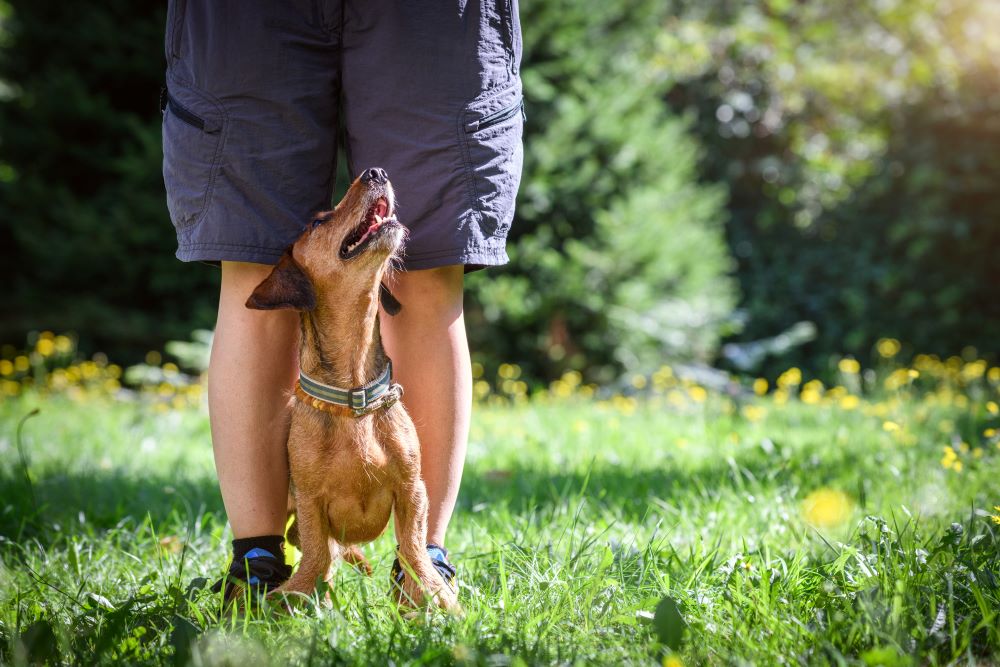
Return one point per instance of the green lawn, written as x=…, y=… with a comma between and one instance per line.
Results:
x=807, y=531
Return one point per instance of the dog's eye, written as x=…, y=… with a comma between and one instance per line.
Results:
x=316, y=223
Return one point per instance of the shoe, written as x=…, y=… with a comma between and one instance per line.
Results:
x=259, y=571
x=439, y=559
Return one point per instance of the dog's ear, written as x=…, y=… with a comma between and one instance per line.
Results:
x=389, y=303
x=286, y=287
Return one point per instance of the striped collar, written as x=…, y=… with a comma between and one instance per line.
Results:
x=380, y=392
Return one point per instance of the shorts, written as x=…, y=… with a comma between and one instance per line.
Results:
x=255, y=93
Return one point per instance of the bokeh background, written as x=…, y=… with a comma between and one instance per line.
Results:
x=745, y=185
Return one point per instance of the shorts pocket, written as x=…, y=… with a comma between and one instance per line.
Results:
x=193, y=136
x=491, y=131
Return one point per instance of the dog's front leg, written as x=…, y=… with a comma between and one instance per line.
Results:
x=313, y=536
x=411, y=512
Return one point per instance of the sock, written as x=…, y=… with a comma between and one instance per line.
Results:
x=264, y=545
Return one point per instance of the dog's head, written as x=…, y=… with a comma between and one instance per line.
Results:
x=343, y=252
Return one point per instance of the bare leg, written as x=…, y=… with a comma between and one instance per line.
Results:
x=252, y=369
x=430, y=355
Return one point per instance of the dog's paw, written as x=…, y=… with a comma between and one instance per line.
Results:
x=447, y=599
x=414, y=595
x=353, y=556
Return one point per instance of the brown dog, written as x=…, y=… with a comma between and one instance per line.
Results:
x=351, y=464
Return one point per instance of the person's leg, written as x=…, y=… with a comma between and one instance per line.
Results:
x=253, y=367
x=430, y=357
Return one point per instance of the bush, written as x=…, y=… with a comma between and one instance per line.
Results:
x=87, y=245
x=619, y=259
x=859, y=145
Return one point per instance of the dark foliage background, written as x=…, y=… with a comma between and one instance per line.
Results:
x=695, y=172
x=87, y=246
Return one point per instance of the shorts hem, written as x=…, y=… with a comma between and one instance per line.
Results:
x=472, y=258
x=224, y=252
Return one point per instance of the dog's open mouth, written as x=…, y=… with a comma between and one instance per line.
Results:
x=367, y=230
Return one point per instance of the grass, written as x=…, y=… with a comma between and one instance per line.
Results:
x=784, y=530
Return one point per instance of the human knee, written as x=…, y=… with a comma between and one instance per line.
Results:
x=239, y=279
x=427, y=292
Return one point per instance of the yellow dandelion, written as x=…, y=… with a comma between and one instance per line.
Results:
x=890, y=426
x=662, y=377
x=63, y=344
x=974, y=370
x=624, y=404
x=45, y=347
x=481, y=388
x=790, y=378
x=21, y=363
x=994, y=374
x=639, y=381
x=992, y=407
x=154, y=358
x=572, y=378
x=6, y=367
x=849, y=402
x=170, y=368
x=826, y=508
x=477, y=370
x=996, y=517
x=888, y=347
x=989, y=433
x=676, y=398
x=810, y=397
x=506, y=371
x=672, y=661
x=849, y=366
x=760, y=386
x=753, y=413
x=957, y=466
x=898, y=378
x=698, y=394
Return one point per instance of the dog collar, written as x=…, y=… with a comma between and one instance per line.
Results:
x=379, y=393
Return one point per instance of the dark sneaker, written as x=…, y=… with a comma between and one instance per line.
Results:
x=439, y=559
x=259, y=571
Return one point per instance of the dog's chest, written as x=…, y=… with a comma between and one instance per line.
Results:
x=338, y=450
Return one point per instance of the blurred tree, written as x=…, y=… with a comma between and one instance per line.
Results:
x=86, y=242
x=620, y=260
x=859, y=143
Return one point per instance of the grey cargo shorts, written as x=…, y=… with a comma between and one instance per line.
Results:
x=429, y=91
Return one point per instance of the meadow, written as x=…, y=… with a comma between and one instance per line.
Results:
x=660, y=522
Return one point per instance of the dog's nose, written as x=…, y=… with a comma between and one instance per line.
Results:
x=376, y=174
